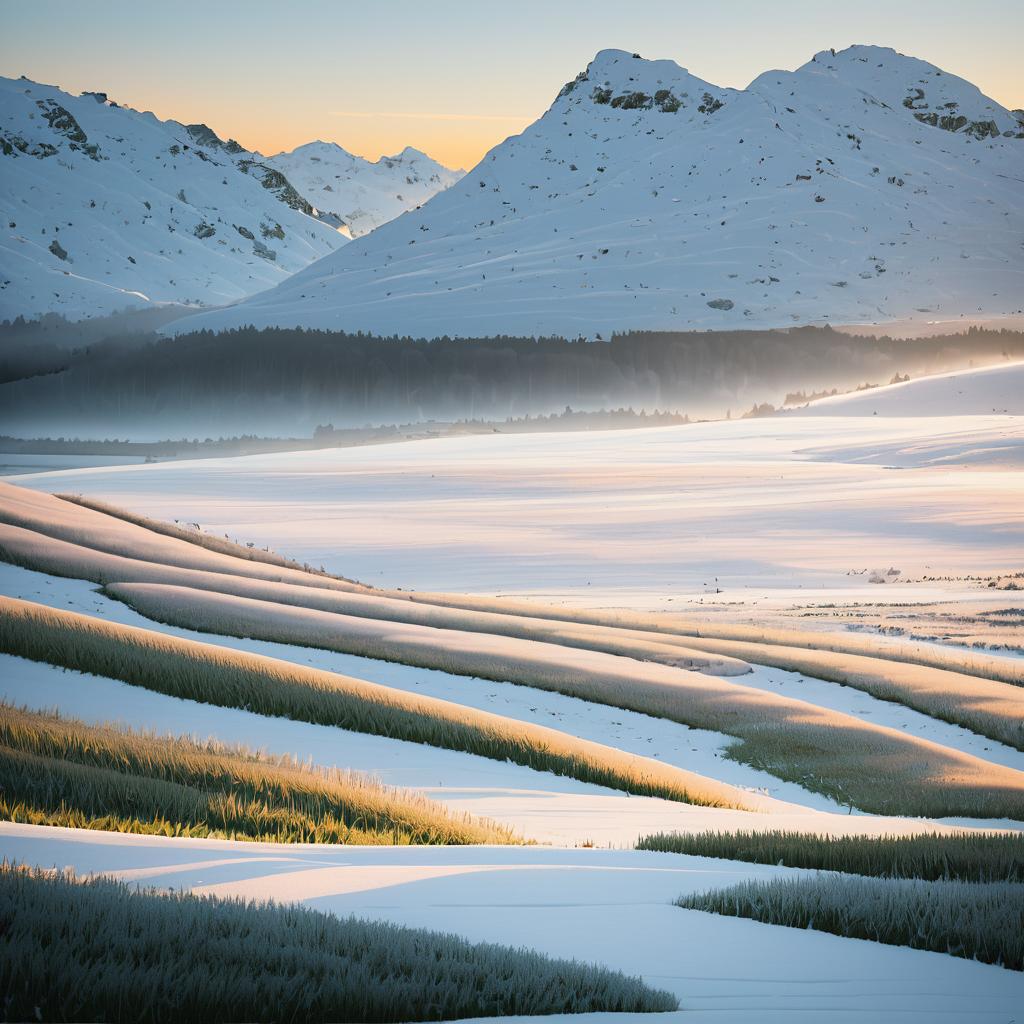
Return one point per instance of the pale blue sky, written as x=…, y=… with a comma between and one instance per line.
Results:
x=452, y=78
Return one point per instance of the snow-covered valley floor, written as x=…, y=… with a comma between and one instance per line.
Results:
x=644, y=519
x=741, y=511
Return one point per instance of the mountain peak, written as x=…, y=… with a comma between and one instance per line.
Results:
x=105, y=207
x=359, y=193
x=647, y=199
x=622, y=66
x=410, y=153
x=622, y=80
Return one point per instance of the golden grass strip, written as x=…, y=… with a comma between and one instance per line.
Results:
x=59, y=771
x=988, y=707
x=36, y=551
x=985, y=706
x=986, y=666
x=104, y=527
x=859, y=763
x=268, y=686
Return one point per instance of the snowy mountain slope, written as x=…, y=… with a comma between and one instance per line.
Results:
x=359, y=193
x=105, y=207
x=976, y=392
x=647, y=198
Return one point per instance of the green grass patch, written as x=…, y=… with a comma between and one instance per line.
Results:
x=977, y=921
x=56, y=771
x=966, y=856
x=121, y=955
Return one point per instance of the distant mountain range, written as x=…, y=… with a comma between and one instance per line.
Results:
x=358, y=193
x=104, y=207
x=865, y=187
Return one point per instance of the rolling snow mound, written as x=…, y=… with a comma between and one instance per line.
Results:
x=987, y=390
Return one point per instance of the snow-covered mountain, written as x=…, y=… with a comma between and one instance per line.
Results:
x=864, y=187
x=104, y=207
x=359, y=193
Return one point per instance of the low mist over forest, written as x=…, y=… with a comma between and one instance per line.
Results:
x=120, y=379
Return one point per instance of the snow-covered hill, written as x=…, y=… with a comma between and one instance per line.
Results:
x=104, y=207
x=359, y=193
x=864, y=187
x=977, y=392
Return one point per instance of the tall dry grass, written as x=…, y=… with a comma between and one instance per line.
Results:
x=973, y=663
x=977, y=921
x=97, y=949
x=964, y=856
x=984, y=706
x=268, y=686
x=57, y=771
x=987, y=707
x=832, y=753
x=106, y=528
x=858, y=763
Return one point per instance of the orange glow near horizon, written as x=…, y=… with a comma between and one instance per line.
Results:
x=455, y=139
x=451, y=80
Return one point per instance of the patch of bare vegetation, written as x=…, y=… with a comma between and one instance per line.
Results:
x=215, y=675
x=855, y=762
x=273, y=963
x=977, y=921
x=964, y=856
x=56, y=771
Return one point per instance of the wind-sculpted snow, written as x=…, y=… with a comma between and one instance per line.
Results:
x=105, y=208
x=359, y=194
x=647, y=198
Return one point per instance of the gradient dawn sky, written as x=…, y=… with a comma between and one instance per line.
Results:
x=452, y=78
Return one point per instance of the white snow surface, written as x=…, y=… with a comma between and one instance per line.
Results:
x=612, y=907
x=823, y=194
x=726, y=511
x=146, y=211
x=363, y=194
x=980, y=391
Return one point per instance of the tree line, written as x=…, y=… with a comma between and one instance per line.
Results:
x=290, y=380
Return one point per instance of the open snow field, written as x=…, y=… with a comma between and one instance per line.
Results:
x=744, y=521
x=740, y=511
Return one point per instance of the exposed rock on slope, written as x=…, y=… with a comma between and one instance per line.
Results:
x=104, y=207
